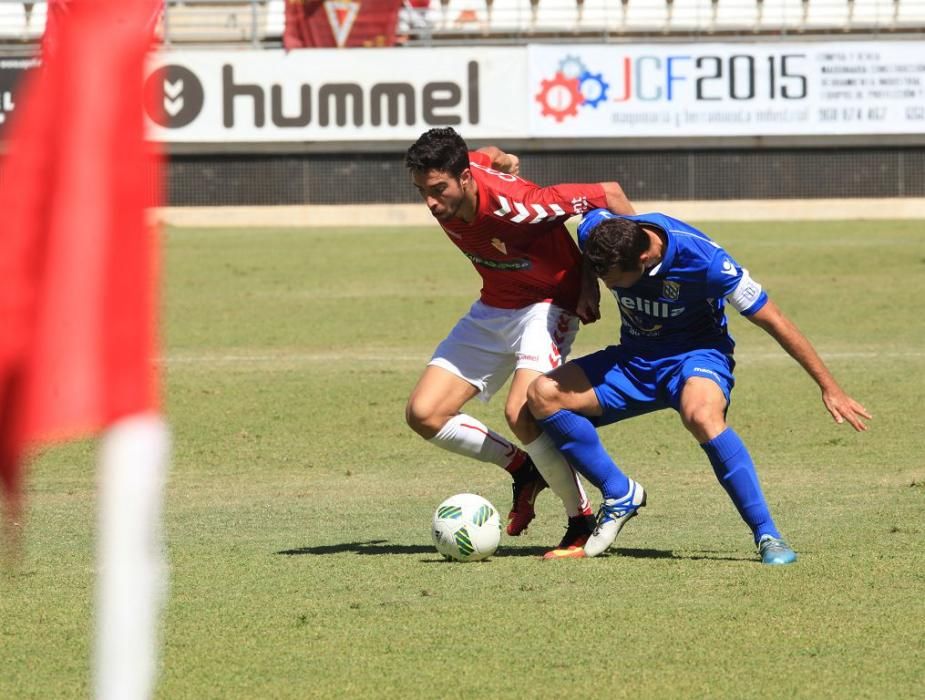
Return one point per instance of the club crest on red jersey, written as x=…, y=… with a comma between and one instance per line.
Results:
x=341, y=16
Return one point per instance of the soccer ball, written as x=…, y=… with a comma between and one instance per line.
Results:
x=466, y=527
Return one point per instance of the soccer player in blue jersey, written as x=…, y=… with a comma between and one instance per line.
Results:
x=671, y=283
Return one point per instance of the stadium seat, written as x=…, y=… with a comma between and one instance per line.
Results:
x=829, y=15
x=782, y=15
x=275, y=21
x=35, y=23
x=646, y=16
x=204, y=23
x=12, y=21
x=870, y=14
x=510, y=18
x=736, y=15
x=690, y=15
x=794, y=14
x=601, y=15
x=556, y=15
x=19, y=24
x=910, y=14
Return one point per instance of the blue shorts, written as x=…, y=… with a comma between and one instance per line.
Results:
x=627, y=385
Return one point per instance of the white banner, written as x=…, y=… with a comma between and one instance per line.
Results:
x=717, y=90
x=336, y=95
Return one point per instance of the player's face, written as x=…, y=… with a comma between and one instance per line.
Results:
x=616, y=277
x=443, y=193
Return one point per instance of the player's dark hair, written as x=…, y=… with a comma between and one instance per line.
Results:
x=615, y=243
x=438, y=149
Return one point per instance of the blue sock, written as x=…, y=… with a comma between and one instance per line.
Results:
x=577, y=439
x=735, y=470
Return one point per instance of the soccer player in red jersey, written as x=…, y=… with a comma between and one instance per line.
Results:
x=533, y=294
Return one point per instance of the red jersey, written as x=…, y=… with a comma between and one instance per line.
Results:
x=518, y=241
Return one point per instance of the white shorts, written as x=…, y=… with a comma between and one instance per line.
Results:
x=488, y=343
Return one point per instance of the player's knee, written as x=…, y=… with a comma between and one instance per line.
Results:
x=422, y=419
x=703, y=421
x=543, y=397
x=521, y=422
x=513, y=416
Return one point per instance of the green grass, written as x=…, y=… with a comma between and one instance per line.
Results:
x=299, y=503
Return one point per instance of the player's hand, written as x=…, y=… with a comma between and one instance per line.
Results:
x=588, y=308
x=588, y=311
x=512, y=164
x=844, y=408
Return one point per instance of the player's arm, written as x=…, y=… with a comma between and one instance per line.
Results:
x=617, y=201
x=785, y=332
x=501, y=161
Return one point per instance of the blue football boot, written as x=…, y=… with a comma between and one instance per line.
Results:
x=774, y=550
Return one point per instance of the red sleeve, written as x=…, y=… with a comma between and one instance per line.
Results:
x=569, y=199
x=480, y=158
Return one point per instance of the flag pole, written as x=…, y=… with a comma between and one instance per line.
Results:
x=131, y=582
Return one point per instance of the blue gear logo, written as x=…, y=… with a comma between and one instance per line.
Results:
x=572, y=86
x=593, y=89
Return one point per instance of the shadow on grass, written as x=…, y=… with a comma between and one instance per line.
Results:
x=368, y=547
x=377, y=547
x=631, y=552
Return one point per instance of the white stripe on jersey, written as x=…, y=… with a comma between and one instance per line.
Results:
x=541, y=214
x=505, y=207
x=522, y=212
x=693, y=235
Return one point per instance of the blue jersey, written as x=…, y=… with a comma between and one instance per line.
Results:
x=679, y=304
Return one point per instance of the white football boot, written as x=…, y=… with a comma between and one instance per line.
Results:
x=612, y=515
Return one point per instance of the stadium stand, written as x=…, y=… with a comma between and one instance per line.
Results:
x=426, y=22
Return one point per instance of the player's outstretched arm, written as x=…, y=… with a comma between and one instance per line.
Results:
x=617, y=201
x=504, y=162
x=785, y=332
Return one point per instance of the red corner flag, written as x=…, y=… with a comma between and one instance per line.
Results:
x=77, y=291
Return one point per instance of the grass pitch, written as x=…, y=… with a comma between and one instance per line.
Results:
x=299, y=503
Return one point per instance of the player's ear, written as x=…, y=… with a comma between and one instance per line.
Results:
x=465, y=177
x=648, y=259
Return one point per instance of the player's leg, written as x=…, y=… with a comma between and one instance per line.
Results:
x=470, y=362
x=563, y=403
x=550, y=463
x=433, y=412
x=542, y=336
x=702, y=405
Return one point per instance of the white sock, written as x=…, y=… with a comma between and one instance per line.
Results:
x=560, y=476
x=132, y=569
x=465, y=435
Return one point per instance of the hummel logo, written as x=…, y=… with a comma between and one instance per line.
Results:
x=173, y=97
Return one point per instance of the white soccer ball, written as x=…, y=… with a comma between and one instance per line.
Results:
x=466, y=527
